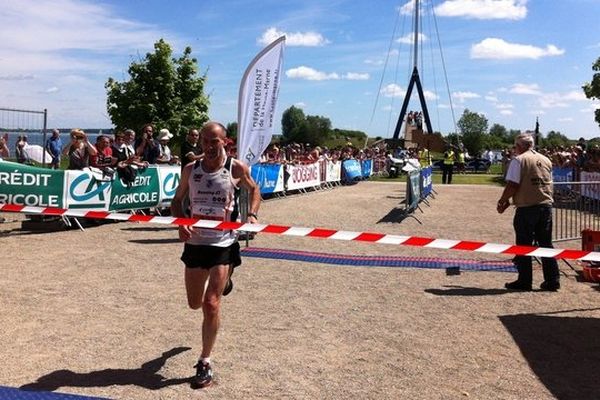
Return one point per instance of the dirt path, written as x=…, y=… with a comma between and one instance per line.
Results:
x=103, y=312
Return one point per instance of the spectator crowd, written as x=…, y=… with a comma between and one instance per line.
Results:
x=127, y=152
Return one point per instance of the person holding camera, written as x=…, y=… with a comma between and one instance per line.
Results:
x=79, y=150
x=146, y=147
x=4, y=151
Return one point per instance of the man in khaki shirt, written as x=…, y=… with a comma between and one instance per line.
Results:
x=529, y=184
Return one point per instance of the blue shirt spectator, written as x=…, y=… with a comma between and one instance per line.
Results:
x=54, y=146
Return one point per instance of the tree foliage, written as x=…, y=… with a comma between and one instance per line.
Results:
x=473, y=128
x=592, y=89
x=314, y=129
x=292, y=124
x=161, y=90
x=232, y=130
x=555, y=139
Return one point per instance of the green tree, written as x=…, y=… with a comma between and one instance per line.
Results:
x=293, y=122
x=316, y=130
x=161, y=90
x=498, y=137
x=232, y=130
x=592, y=89
x=555, y=139
x=473, y=128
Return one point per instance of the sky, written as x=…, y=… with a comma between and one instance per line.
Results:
x=348, y=60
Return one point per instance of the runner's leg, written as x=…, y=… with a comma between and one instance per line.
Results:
x=211, y=307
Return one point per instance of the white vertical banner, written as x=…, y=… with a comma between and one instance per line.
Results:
x=257, y=100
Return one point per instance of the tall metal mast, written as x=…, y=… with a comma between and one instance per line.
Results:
x=414, y=79
x=416, y=36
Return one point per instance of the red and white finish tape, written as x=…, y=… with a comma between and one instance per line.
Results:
x=481, y=247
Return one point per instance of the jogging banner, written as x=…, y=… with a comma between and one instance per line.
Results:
x=322, y=233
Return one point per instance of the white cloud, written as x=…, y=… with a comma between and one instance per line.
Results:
x=19, y=77
x=409, y=38
x=504, y=106
x=499, y=49
x=392, y=90
x=565, y=119
x=53, y=89
x=483, y=9
x=462, y=96
x=356, y=76
x=506, y=112
x=373, y=62
x=575, y=95
x=310, y=74
x=300, y=104
x=407, y=8
x=552, y=100
x=491, y=98
x=329, y=102
x=307, y=39
x=48, y=26
x=525, y=88
x=429, y=95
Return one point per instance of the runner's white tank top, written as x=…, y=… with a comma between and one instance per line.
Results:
x=212, y=197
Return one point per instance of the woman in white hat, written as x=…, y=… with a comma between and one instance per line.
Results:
x=165, y=155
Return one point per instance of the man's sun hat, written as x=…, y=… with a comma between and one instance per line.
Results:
x=164, y=134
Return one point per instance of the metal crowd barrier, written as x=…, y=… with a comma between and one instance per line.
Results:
x=576, y=207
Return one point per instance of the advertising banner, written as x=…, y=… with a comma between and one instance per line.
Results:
x=590, y=190
x=413, y=192
x=168, y=179
x=84, y=190
x=352, y=170
x=426, y=182
x=562, y=174
x=333, y=171
x=22, y=184
x=257, y=100
x=303, y=176
x=143, y=192
x=367, y=168
x=268, y=177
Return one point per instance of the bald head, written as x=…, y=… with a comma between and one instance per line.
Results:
x=214, y=127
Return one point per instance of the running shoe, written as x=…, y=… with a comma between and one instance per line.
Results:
x=203, y=377
x=550, y=286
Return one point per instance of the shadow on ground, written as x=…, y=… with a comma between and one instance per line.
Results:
x=564, y=352
x=147, y=376
x=155, y=241
x=396, y=214
x=465, y=291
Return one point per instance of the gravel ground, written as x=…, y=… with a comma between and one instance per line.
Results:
x=103, y=312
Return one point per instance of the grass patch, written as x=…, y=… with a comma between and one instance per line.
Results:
x=459, y=179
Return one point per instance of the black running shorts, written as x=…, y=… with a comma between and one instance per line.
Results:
x=206, y=257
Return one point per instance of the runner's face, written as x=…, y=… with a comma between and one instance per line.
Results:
x=213, y=143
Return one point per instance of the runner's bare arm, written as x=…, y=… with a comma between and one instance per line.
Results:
x=242, y=172
x=185, y=232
